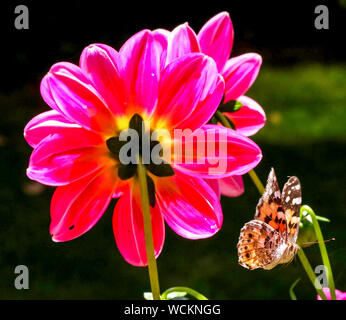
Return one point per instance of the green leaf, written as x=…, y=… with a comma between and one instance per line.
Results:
x=292, y=294
x=180, y=292
x=304, y=215
x=230, y=106
x=323, y=219
x=176, y=294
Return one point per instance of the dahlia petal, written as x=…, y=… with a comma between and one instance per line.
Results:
x=190, y=206
x=47, y=95
x=193, y=72
x=205, y=109
x=214, y=184
x=129, y=229
x=62, y=158
x=232, y=186
x=44, y=124
x=339, y=294
x=122, y=187
x=215, y=152
x=161, y=36
x=67, y=89
x=141, y=56
x=117, y=194
x=102, y=63
x=111, y=53
x=240, y=73
x=216, y=38
x=77, y=207
x=183, y=40
x=250, y=118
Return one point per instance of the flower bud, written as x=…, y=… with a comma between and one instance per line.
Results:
x=307, y=235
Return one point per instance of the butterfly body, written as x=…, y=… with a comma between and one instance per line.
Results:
x=270, y=239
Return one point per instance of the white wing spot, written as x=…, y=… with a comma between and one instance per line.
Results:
x=287, y=198
x=297, y=200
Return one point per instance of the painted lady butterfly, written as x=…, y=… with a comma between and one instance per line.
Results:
x=270, y=239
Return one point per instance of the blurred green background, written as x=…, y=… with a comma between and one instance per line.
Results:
x=305, y=135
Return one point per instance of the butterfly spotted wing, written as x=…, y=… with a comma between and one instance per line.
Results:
x=291, y=203
x=258, y=245
x=270, y=208
x=263, y=242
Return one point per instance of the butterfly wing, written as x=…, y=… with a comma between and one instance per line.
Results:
x=291, y=203
x=269, y=208
x=259, y=246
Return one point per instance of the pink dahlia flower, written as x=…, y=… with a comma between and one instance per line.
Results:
x=339, y=294
x=76, y=144
x=215, y=39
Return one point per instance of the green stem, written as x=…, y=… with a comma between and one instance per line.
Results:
x=292, y=294
x=251, y=173
x=256, y=181
x=323, y=249
x=190, y=291
x=148, y=234
x=222, y=119
x=310, y=272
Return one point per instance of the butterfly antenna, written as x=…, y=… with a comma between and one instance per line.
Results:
x=316, y=242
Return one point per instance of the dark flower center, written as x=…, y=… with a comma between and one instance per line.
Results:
x=134, y=150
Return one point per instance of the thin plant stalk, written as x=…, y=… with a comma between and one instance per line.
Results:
x=310, y=272
x=148, y=234
x=257, y=182
x=323, y=249
x=292, y=294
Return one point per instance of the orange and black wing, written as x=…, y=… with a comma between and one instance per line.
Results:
x=270, y=209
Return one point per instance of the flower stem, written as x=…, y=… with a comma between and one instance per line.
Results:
x=222, y=119
x=323, y=249
x=292, y=294
x=256, y=181
x=251, y=173
x=148, y=234
x=308, y=269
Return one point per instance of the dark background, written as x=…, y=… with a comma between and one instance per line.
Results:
x=283, y=32
x=301, y=87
